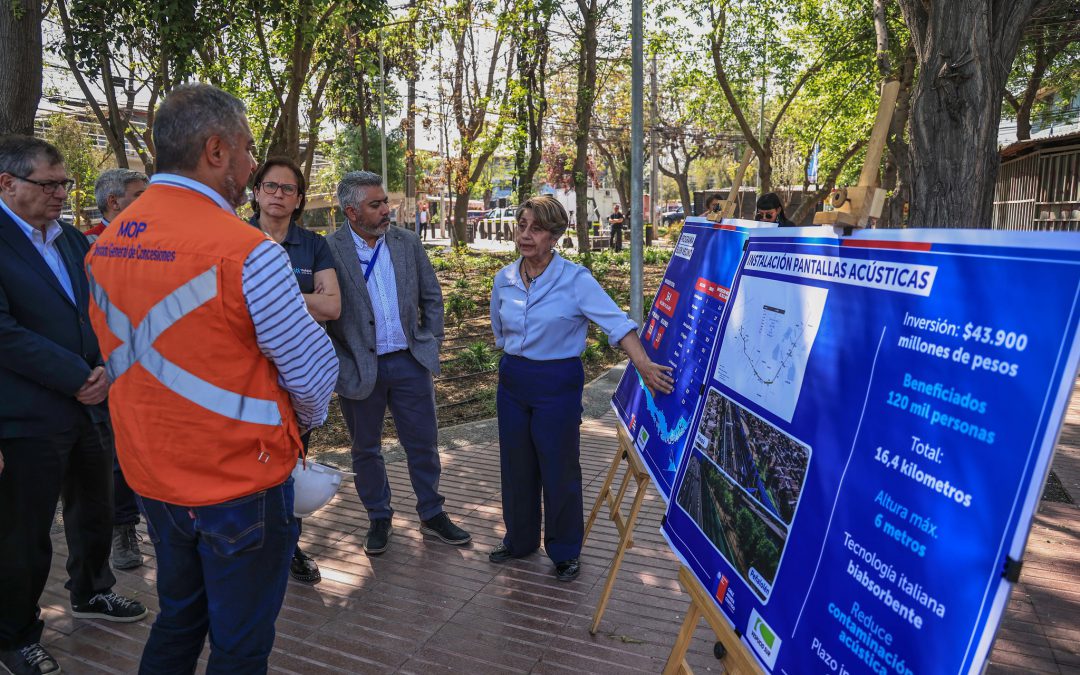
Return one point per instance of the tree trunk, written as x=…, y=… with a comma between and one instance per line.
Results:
x=461, y=215
x=20, y=65
x=586, y=97
x=897, y=178
x=965, y=50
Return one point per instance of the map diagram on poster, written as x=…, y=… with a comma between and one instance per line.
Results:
x=680, y=331
x=765, y=349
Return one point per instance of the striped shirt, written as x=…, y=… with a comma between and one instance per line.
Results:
x=287, y=335
x=382, y=290
x=284, y=330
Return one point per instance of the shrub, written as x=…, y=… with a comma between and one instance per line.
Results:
x=458, y=306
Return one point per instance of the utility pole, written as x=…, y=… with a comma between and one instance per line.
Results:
x=761, y=115
x=637, y=149
x=410, y=134
x=382, y=108
x=654, y=177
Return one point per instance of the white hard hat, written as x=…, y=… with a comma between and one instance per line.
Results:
x=315, y=485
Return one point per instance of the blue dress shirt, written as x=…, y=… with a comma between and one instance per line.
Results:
x=550, y=320
x=45, y=244
x=382, y=290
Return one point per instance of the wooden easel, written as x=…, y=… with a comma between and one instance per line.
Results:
x=727, y=207
x=737, y=659
x=860, y=205
x=626, y=454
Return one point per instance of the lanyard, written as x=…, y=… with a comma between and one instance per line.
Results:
x=371, y=263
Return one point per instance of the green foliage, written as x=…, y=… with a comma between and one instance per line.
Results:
x=478, y=357
x=656, y=256
x=458, y=306
x=80, y=159
x=346, y=154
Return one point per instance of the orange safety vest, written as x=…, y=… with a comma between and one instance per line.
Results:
x=197, y=411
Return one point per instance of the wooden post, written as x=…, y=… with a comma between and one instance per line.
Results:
x=737, y=657
x=635, y=471
x=855, y=206
x=727, y=208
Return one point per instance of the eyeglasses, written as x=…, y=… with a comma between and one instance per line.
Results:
x=270, y=187
x=48, y=186
x=770, y=214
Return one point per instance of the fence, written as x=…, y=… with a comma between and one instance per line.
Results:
x=1040, y=190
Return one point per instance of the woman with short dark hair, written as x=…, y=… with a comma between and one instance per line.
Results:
x=771, y=210
x=278, y=203
x=541, y=306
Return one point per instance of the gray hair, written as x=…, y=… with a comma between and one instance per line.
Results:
x=18, y=154
x=188, y=117
x=113, y=183
x=353, y=185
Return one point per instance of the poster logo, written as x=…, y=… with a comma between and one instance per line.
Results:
x=763, y=639
x=721, y=588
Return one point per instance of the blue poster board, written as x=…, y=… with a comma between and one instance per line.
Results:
x=679, y=331
x=879, y=420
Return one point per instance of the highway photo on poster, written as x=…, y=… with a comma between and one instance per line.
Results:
x=750, y=538
x=767, y=463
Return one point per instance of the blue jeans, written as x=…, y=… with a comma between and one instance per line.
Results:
x=223, y=569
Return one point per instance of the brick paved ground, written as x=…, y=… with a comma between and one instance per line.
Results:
x=425, y=607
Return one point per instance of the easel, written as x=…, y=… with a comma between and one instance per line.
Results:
x=635, y=470
x=727, y=207
x=855, y=206
x=737, y=659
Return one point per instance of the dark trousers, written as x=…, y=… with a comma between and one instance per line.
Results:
x=539, y=407
x=221, y=569
x=125, y=509
x=76, y=464
x=616, y=237
x=406, y=387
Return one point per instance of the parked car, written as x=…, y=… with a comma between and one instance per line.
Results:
x=498, y=223
x=674, y=216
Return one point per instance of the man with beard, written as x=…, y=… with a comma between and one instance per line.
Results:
x=217, y=369
x=388, y=339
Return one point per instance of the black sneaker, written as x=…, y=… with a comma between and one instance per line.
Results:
x=111, y=607
x=29, y=660
x=303, y=568
x=378, y=536
x=441, y=527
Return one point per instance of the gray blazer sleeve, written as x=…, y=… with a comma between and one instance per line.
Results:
x=431, y=301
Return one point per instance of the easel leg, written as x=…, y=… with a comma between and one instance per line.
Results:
x=605, y=490
x=626, y=540
x=676, y=662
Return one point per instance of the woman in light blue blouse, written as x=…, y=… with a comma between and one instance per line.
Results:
x=541, y=306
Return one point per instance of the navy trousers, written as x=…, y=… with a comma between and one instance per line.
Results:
x=407, y=388
x=221, y=569
x=539, y=407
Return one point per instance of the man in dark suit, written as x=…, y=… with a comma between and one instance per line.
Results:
x=387, y=341
x=54, y=429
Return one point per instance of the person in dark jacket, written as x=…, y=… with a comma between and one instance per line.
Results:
x=55, y=437
x=771, y=210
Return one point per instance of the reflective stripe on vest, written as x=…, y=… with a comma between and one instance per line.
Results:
x=137, y=346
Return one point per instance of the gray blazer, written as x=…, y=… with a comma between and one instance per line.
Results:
x=419, y=300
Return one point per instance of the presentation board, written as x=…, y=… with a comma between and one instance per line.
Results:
x=679, y=332
x=874, y=434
